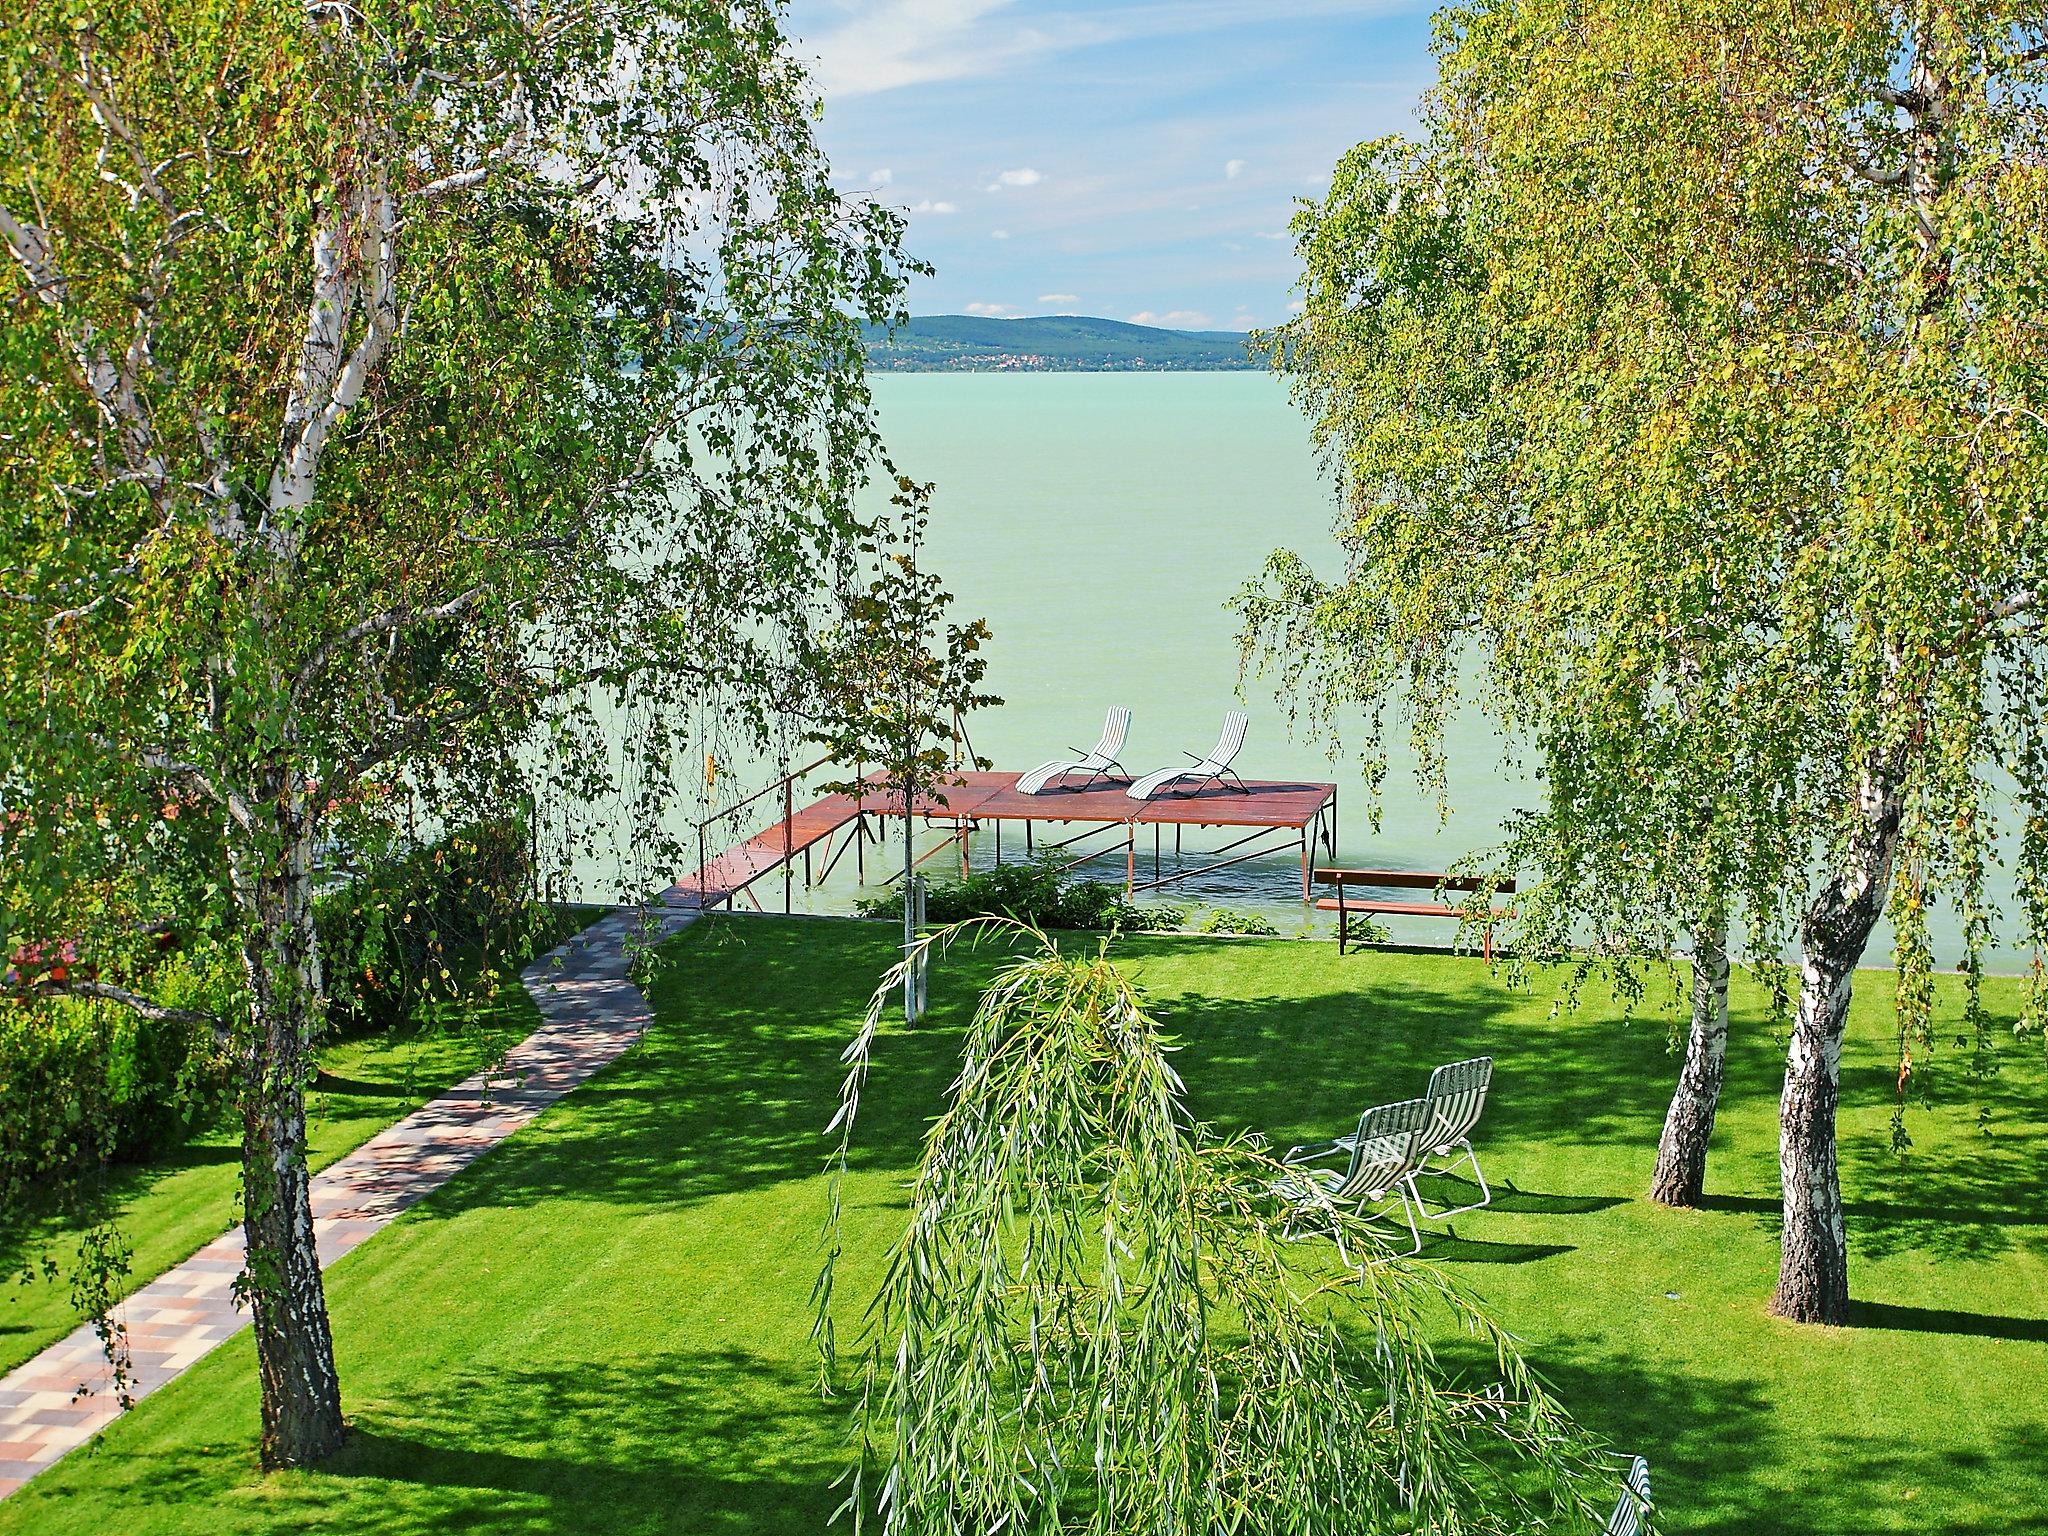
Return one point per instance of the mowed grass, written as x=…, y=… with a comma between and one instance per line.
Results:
x=603, y=1326
x=181, y=1199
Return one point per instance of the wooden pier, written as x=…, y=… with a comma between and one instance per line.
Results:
x=1274, y=817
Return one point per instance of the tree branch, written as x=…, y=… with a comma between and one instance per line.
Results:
x=1876, y=177
x=159, y=760
x=516, y=140
x=324, y=387
x=107, y=992
x=111, y=389
x=381, y=624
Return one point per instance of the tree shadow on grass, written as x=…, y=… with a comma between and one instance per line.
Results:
x=1367, y=1036
x=1722, y=1463
x=1976, y=1217
x=741, y=1072
x=1982, y=1325
x=721, y=1442
x=1304, y=1063
x=686, y=1441
x=736, y=1080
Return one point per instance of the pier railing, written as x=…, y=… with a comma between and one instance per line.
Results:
x=786, y=785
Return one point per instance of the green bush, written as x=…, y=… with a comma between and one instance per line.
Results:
x=1223, y=920
x=1033, y=893
x=85, y=1083
x=418, y=927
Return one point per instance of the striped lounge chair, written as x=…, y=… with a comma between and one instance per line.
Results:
x=1204, y=771
x=1101, y=763
x=1631, y=1515
x=1456, y=1098
x=1377, y=1174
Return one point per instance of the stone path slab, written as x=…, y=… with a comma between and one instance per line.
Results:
x=592, y=1014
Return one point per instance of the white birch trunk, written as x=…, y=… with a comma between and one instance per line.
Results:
x=1681, y=1173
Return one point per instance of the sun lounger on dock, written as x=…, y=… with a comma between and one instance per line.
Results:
x=1213, y=769
x=1101, y=763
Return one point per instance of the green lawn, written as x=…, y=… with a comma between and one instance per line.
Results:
x=602, y=1325
x=178, y=1201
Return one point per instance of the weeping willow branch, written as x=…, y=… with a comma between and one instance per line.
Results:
x=1093, y=1321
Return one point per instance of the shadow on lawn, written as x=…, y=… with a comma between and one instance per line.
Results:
x=1593, y=1081
x=1982, y=1325
x=721, y=1442
x=741, y=1073
x=1711, y=1445
x=698, y=1441
x=734, y=1086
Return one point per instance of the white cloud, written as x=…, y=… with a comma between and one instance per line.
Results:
x=1173, y=319
x=883, y=45
x=1059, y=298
x=1296, y=307
x=1269, y=234
x=991, y=311
x=1232, y=169
x=928, y=206
x=883, y=177
x=1023, y=176
x=999, y=234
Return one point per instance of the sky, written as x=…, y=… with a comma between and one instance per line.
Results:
x=1137, y=159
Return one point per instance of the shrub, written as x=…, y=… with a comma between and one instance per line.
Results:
x=85, y=1083
x=1223, y=920
x=1033, y=893
x=416, y=927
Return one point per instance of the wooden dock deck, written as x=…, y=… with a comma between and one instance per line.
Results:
x=1278, y=816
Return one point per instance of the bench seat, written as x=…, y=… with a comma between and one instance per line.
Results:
x=1391, y=908
x=1344, y=904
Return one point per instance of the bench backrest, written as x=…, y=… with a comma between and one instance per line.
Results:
x=1406, y=879
x=1385, y=1148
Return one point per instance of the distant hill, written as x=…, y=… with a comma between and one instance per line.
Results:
x=1049, y=343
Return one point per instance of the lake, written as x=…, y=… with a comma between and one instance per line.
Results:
x=1101, y=523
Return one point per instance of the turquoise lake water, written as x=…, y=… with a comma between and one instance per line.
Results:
x=1101, y=523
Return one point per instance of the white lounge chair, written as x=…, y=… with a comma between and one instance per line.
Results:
x=1631, y=1515
x=1456, y=1099
x=1380, y=1159
x=1116, y=725
x=1213, y=769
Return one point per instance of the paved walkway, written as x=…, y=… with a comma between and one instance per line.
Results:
x=592, y=1014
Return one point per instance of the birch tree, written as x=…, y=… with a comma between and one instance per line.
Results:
x=903, y=675
x=386, y=387
x=1688, y=384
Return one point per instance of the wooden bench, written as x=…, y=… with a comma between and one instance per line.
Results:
x=1344, y=904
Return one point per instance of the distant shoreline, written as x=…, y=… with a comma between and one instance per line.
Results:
x=875, y=366
x=1052, y=344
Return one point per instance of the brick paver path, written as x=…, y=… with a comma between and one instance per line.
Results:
x=592, y=1014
